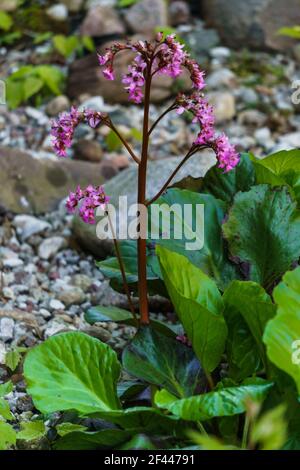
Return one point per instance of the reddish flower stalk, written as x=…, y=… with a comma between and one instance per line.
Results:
x=163, y=56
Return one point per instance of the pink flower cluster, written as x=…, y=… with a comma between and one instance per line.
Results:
x=204, y=114
x=89, y=198
x=167, y=56
x=134, y=79
x=63, y=129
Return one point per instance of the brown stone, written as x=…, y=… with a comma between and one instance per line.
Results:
x=102, y=21
x=88, y=150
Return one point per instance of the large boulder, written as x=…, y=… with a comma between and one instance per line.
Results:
x=86, y=76
x=145, y=15
x=102, y=21
x=252, y=23
x=34, y=184
x=125, y=184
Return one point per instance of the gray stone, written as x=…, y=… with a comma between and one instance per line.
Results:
x=57, y=105
x=28, y=225
x=6, y=329
x=126, y=184
x=252, y=117
x=88, y=150
x=53, y=179
x=49, y=247
x=224, y=105
x=179, y=12
x=252, y=23
x=290, y=141
x=71, y=295
x=9, y=5
x=220, y=53
x=55, y=304
x=101, y=21
x=12, y=262
x=58, y=12
x=200, y=40
x=220, y=78
x=145, y=15
x=82, y=281
x=57, y=326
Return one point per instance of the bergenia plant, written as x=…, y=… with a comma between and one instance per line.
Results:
x=224, y=372
x=165, y=56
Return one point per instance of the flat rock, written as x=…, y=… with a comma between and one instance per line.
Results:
x=125, y=184
x=28, y=225
x=37, y=185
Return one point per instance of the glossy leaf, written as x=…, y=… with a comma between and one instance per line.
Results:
x=162, y=361
x=227, y=401
x=7, y=436
x=250, y=301
x=198, y=304
x=263, y=231
x=31, y=430
x=119, y=315
x=72, y=371
x=282, y=333
x=82, y=440
x=201, y=241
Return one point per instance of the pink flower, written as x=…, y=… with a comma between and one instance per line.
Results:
x=108, y=73
x=90, y=198
x=63, y=129
x=226, y=153
x=134, y=79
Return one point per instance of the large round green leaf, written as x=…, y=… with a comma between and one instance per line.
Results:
x=282, y=333
x=224, y=402
x=211, y=257
x=163, y=361
x=199, y=305
x=224, y=186
x=281, y=168
x=263, y=230
x=72, y=371
x=249, y=301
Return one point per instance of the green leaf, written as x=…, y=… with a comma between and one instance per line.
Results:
x=279, y=169
x=224, y=186
x=14, y=93
x=201, y=240
x=7, y=436
x=254, y=305
x=209, y=442
x=72, y=371
x=12, y=359
x=52, y=77
x=270, y=431
x=31, y=430
x=6, y=388
x=113, y=142
x=227, y=401
x=5, y=410
x=162, y=361
x=6, y=21
x=198, y=304
x=263, y=230
x=101, y=313
x=282, y=333
x=81, y=440
x=65, y=428
x=32, y=85
x=292, y=32
x=126, y=3
x=138, y=442
x=65, y=45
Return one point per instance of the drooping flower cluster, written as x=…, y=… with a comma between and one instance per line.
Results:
x=226, y=153
x=62, y=130
x=87, y=200
x=134, y=79
x=167, y=56
x=204, y=114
